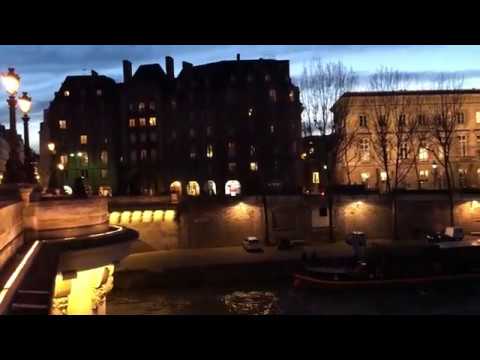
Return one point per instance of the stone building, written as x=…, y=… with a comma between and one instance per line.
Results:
x=420, y=155
x=223, y=128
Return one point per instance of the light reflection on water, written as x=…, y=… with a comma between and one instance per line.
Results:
x=274, y=299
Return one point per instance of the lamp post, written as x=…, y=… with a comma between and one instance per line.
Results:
x=14, y=168
x=52, y=182
x=25, y=104
x=434, y=170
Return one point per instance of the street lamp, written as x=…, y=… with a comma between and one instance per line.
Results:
x=52, y=183
x=25, y=104
x=434, y=170
x=14, y=168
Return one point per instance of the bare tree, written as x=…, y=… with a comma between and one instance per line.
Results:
x=445, y=114
x=322, y=86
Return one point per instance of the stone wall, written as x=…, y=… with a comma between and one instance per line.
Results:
x=11, y=230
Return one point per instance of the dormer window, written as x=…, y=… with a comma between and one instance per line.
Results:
x=141, y=106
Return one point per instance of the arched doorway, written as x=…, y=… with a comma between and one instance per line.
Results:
x=233, y=188
x=210, y=188
x=176, y=188
x=193, y=188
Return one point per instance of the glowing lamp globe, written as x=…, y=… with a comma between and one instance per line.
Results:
x=60, y=167
x=25, y=103
x=51, y=146
x=11, y=81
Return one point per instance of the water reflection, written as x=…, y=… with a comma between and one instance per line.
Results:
x=252, y=303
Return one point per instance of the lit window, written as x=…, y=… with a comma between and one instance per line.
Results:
x=62, y=124
x=273, y=95
x=383, y=176
x=131, y=123
x=152, y=121
x=423, y=174
x=66, y=93
x=209, y=131
x=143, y=137
x=141, y=106
x=104, y=156
x=250, y=112
x=83, y=139
x=142, y=122
x=460, y=117
x=209, y=151
x=365, y=149
x=252, y=150
x=365, y=176
x=143, y=154
x=232, y=188
x=133, y=138
x=193, y=188
x=151, y=105
x=462, y=139
x=291, y=95
x=153, y=154
x=232, y=166
x=192, y=132
x=423, y=154
x=440, y=152
x=84, y=159
x=477, y=117
x=311, y=150
x=130, y=107
x=193, y=152
x=316, y=177
x=267, y=77
x=99, y=92
x=253, y=166
x=272, y=129
x=133, y=156
x=403, y=151
x=153, y=137
x=231, y=149
x=104, y=173
x=63, y=159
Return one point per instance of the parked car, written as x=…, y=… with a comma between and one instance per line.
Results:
x=449, y=234
x=251, y=243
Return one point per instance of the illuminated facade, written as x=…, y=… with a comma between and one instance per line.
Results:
x=421, y=155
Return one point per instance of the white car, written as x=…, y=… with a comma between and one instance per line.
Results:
x=251, y=243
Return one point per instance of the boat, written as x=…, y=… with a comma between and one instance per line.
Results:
x=394, y=267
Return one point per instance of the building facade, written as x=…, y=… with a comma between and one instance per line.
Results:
x=409, y=138
x=229, y=127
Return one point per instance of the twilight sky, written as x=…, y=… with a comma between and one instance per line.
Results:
x=43, y=67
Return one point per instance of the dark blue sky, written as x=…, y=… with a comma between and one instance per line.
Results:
x=43, y=68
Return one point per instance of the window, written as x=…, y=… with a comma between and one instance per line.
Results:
x=402, y=120
x=252, y=150
x=104, y=173
x=462, y=139
x=66, y=93
x=84, y=159
x=253, y=166
x=133, y=156
x=143, y=154
x=440, y=152
x=209, y=131
x=142, y=122
x=130, y=107
x=232, y=188
x=477, y=117
x=231, y=149
x=153, y=137
x=383, y=176
x=422, y=120
x=133, y=138
x=104, y=156
x=174, y=104
x=141, y=106
x=460, y=117
x=250, y=112
x=151, y=105
x=315, y=177
x=99, y=92
x=273, y=95
x=267, y=77
x=193, y=188
x=209, y=151
x=478, y=145
x=382, y=121
x=291, y=95
x=143, y=137
x=272, y=129
x=153, y=154
x=83, y=139
x=63, y=159
x=62, y=124
x=250, y=78
x=363, y=121
x=311, y=150
x=131, y=123
x=365, y=176
x=192, y=132
x=423, y=153
x=193, y=152
x=423, y=174
x=403, y=151
x=365, y=149
x=232, y=166
x=152, y=121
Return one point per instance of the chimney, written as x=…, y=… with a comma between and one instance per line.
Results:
x=186, y=65
x=94, y=73
x=238, y=57
x=127, y=71
x=170, y=67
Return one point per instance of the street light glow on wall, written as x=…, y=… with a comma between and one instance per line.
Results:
x=11, y=81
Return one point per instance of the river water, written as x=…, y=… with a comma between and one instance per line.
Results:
x=281, y=298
